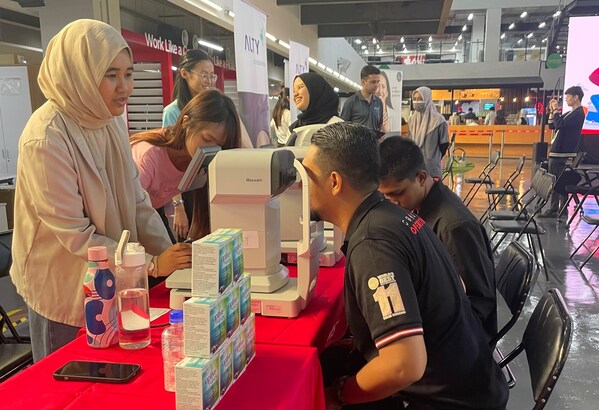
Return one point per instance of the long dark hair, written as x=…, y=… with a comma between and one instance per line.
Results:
x=181, y=91
x=210, y=106
x=282, y=105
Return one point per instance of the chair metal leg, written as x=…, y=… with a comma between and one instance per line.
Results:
x=542, y=256
x=499, y=242
x=584, y=242
x=589, y=257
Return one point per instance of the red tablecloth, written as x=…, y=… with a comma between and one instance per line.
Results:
x=320, y=324
x=279, y=377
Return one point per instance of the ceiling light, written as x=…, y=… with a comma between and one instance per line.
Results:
x=336, y=74
x=465, y=27
x=544, y=40
x=174, y=68
x=530, y=35
x=208, y=3
x=405, y=50
x=312, y=61
x=470, y=16
x=460, y=38
x=542, y=24
x=374, y=41
x=401, y=40
x=502, y=36
x=557, y=47
x=456, y=43
x=430, y=38
x=336, y=89
x=329, y=70
x=210, y=45
x=453, y=48
x=514, y=99
x=502, y=99
x=524, y=14
x=527, y=99
x=457, y=102
x=271, y=37
x=557, y=13
x=533, y=46
x=284, y=44
x=364, y=47
x=366, y=52
x=358, y=41
x=520, y=41
x=321, y=65
x=378, y=46
x=404, y=46
x=229, y=13
x=511, y=27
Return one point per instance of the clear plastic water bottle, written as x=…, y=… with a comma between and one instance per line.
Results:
x=99, y=286
x=133, y=298
x=172, y=348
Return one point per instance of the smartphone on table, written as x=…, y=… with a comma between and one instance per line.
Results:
x=102, y=372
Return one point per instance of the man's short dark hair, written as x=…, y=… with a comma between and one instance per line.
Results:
x=401, y=159
x=351, y=150
x=369, y=70
x=470, y=109
x=492, y=108
x=575, y=90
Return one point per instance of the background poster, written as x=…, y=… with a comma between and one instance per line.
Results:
x=251, y=70
x=298, y=64
x=582, y=67
x=390, y=91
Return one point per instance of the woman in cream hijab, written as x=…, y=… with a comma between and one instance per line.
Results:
x=429, y=130
x=77, y=184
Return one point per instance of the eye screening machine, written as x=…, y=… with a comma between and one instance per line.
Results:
x=244, y=190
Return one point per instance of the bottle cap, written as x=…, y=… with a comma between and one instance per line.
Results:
x=176, y=316
x=97, y=253
x=134, y=255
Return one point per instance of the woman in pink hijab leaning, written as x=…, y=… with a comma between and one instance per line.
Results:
x=77, y=184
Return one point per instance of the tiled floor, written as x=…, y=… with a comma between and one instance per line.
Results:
x=578, y=386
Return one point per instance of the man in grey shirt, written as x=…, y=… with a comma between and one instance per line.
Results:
x=364, y=107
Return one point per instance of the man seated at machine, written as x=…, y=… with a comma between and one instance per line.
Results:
x=410, y=318
x=405, y=182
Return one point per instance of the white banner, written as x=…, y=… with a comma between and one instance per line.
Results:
x=251, y=70
x=390, y=91
x=298, y=64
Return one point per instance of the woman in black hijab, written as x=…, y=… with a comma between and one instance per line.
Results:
x=318, y=103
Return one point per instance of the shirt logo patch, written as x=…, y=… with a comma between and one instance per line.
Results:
x=386, y=294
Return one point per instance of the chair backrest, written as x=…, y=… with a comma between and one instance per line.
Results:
x=529, y=197
x=514, y=273
x=509, y=182
x=547, y=342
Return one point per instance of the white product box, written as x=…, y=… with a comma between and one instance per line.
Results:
x=205, y=326
x=232, y=304
x=245, y=297
x=236, y=236
x=239, y=351
x=211, y=266
x=226, y=367
x=197, y=383
x=250, y=338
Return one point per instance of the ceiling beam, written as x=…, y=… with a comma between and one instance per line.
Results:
x=381, y=30
x=322, y=2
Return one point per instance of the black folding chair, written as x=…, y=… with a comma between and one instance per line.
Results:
x=546, y=341
x=591, y=220
x=484, y=178
x=450, y=159
x=528, y=226
x=496, y=194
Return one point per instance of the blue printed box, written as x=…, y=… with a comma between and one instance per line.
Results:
x=236, y=236
x=232, y=303
x=197, y=383
x=239, y=350
x=226, y=367
x=211, y=266
x=205, y=325
x=245, y=297
x=250, y=338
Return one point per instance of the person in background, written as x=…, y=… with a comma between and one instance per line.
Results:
x=565, y=142
x=390, y=116
x=454, y=119
x=429, y=130
x=500, y=119
x=523, y=120
x=77, y=184
x=364, y=107
x=491, y=116
x=318, y=103
x=416, y=337
x=163, y=155
x=281, y=118
x=471, y=115
x=405, y=182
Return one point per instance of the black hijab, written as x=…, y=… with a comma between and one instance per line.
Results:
x=324, y=101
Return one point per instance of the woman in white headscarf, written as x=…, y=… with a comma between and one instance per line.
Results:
x=77, y=184
x=429, y=130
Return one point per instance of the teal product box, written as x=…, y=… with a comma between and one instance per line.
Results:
x=245, y=297
x=236, y=236
x=197, y=383
x=250, y=338
x=205, y=326
x=239, y=348
x=232, y=304
x=211, y=266
x=226, y=367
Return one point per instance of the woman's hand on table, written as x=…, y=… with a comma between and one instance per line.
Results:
x=177, y=256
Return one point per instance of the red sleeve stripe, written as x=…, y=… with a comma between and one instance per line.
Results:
x=398, y=335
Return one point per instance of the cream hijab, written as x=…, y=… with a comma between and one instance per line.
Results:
x=75, y=62
x=422, y=123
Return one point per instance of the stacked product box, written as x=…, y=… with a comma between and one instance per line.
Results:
x=219, y=327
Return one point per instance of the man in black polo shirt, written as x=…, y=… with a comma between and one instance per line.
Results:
x=405, y=304
x=405, y=182
x=364, y=107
